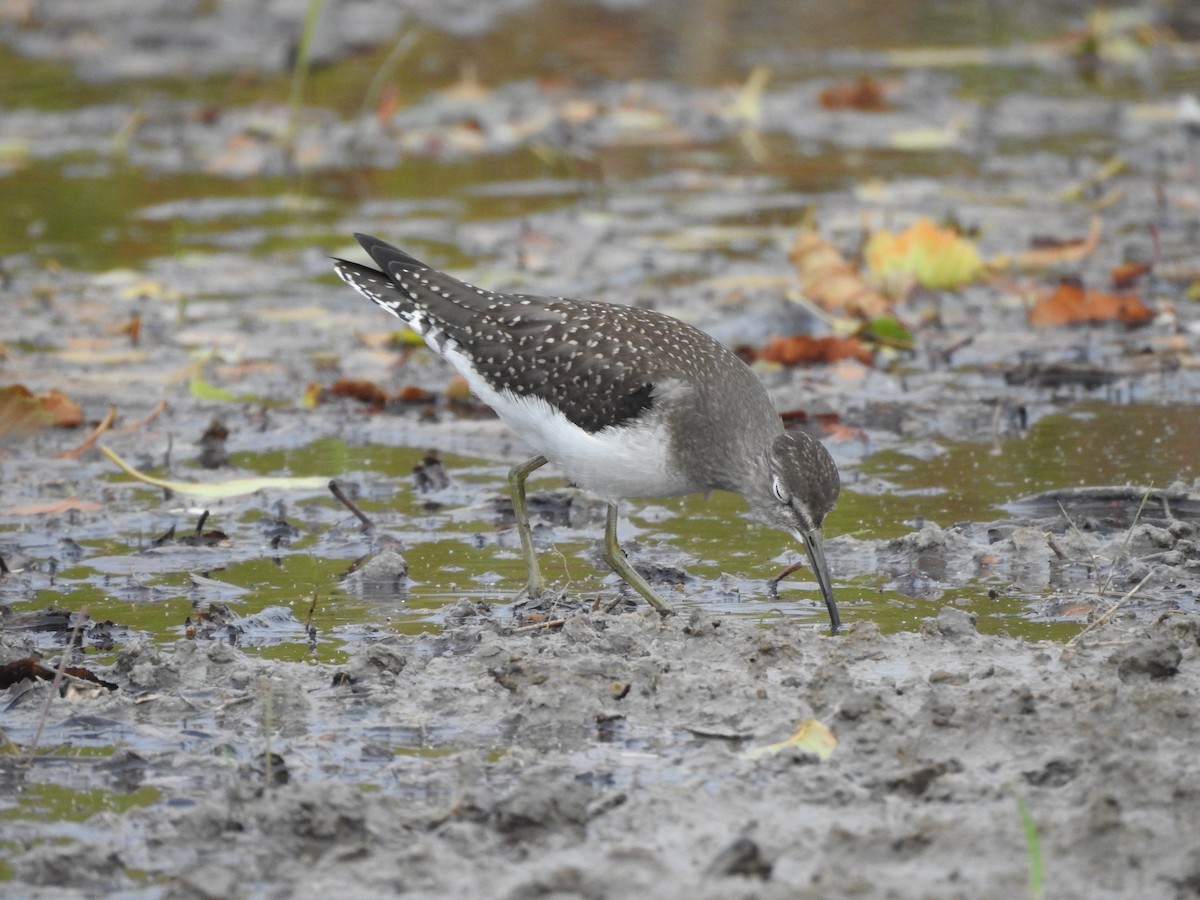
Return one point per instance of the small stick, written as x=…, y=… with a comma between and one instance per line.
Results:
x=54, y=685
x=90, y=442
x=1125, y=546
x=336, y=490
x=1110, y=612
x=552, y=623
x=154, y=414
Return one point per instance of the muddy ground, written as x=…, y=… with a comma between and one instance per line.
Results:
x=1012, y=707
x=609, y=758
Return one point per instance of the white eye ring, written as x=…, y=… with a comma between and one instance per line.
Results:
x=777, y=489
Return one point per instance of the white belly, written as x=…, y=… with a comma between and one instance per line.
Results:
x=634, y=461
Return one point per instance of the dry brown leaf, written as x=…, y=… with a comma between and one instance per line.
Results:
x=831, y=282
x=361, y=389
x=1071, y=304
x=800, y=349
x=1051, y=253
x=863, y=95
x=1126, y=274
x=410, y=393
x=22, y=413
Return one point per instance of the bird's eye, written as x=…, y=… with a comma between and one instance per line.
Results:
x=778, y=490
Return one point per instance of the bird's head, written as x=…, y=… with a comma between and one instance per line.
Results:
x=804, y=486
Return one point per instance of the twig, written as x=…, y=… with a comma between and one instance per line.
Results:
x=1128, y=537
x=154, y=414
x=1110, y=612
x=336, y=490
x=1078, y=534
x=105, y=424
x=55, y=684
x=551, y=623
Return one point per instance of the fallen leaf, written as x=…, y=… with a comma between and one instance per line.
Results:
x=1071, y=304
x=863, y=95
x=810, y=736
x=926, y=139
x=831, y=282
x=804, y=348
x=747, y=106
x=888, y=331
x=937, y=258
x=202, y=390
x=21, y=413
x=221, y=490
x=1127, y=273
x=362, y=389
x=53, y=508
x=1046, y=253
x=413, y=394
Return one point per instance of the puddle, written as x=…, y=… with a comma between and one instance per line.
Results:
x=459, y=543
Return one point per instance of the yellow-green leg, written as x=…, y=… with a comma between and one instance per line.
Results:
x=616, y=559
x=535, y=586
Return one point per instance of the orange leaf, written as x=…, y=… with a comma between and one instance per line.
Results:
x=1124, y=275
x=1070, y=304
x=360, y=389
x=22, y=413
x=804, y=348
x=864, y=95
x=412, y=394
x=831, y=282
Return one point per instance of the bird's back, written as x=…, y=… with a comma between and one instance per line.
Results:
x=601, y=365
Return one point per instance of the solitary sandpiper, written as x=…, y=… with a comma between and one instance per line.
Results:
x=626, y=402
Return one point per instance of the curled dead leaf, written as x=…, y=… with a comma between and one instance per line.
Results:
x=831, y=282
x=21, y=413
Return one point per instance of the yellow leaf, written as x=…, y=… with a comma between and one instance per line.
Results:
x=937, y=257
x=202, y=390
x=220, y=490
x=810, y=736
